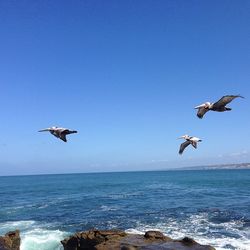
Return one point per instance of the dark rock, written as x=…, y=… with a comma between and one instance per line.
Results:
x=154, y=235
x=128, y=248
x=11, y=241
x=188, y=241
x=91, y=239
x=71, y=243
x=119, y=240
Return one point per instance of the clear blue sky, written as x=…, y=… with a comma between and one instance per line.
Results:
x=126, y=75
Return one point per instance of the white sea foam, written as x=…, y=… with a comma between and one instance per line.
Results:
x=42, y=239
x=35, y=236
x=109, y=208
x=43, y=206
x=124, y=195
x=203, y=231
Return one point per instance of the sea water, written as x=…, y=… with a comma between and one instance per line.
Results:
x=211, y=206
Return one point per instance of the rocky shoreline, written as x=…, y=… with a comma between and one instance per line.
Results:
x=11, y=241
x=120, y=240
x=112, y=240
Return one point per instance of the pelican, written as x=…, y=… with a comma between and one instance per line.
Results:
x=219, y=106
x=59, y=132
x=189, y=140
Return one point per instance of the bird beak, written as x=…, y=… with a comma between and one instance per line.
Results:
x=180, y=137
x=43, y=130
x=200, y=106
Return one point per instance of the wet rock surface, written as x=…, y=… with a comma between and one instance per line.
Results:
x=11, y=241
x=119, y=240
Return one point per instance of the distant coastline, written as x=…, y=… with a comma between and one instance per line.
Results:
x=218, y=167
x=230, y=166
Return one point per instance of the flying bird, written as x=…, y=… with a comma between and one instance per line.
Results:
x=219, y=106
x=59, y=132
x=189, y=140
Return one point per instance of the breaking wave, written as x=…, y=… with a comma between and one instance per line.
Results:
x=35, y=236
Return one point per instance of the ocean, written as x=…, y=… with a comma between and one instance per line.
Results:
x=211, y=206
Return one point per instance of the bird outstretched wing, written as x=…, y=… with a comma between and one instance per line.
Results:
x=71, y=131
x=201, y=112
x=63, y=137
x=183, y=146
x=194, y=144
x=68, y=131
x=225, y=100
x=55, y=134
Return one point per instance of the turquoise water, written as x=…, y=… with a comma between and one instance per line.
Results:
x=213, y=207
